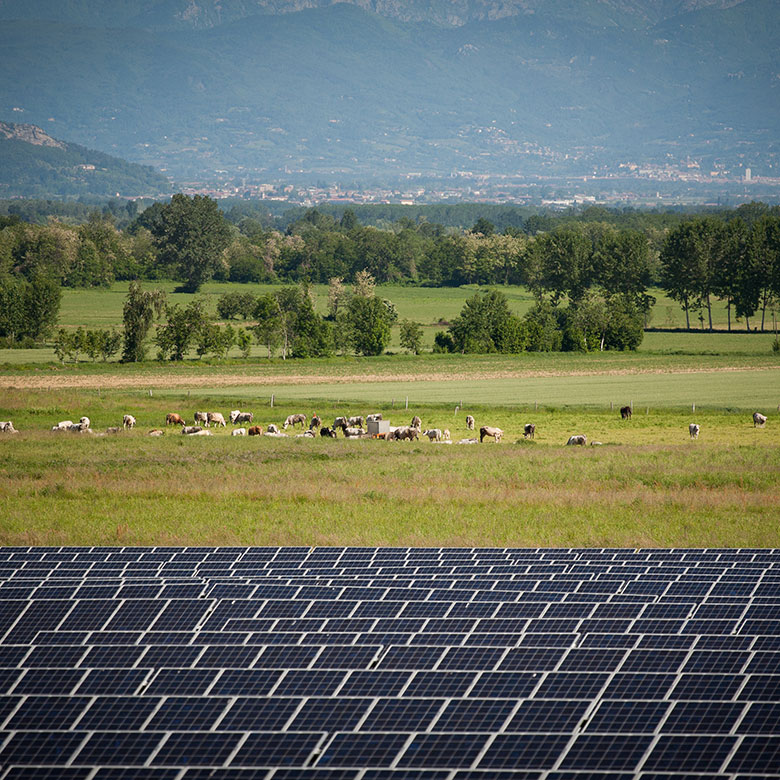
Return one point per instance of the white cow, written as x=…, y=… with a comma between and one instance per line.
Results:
x=189, y=430
x=128, y=421
x=434, y=434
x=237, y=416
x=470, y=422
x=487, y=431
x=202, y=417
x=156, y=432
x=577, y=440
x=374, y=417
x=85, y=422
x=759, y=420
x=693, y=431
x=7, y=427
x=469, y=441
x=216, y=418
x=445, y=434
x=238, y=432
x=204, y=432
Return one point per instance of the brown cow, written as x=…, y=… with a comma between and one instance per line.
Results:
x=625, y=412
x=256, y=430
x=174, y=419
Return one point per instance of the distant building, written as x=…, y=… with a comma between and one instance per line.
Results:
x=748, y=174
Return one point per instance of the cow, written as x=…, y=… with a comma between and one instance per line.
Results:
x=434, y=434
x=238, y=432
x=355, y=422
x=255, y=430
x=293, y=420
x=328, y=432
x=114, y=430
x=416, y=422
x=275, y=434
x=445, y=434
x=578, y=440
x=529, y=431
x=351, y=432
x=469, y=422
x=237, y=416
x=202, y=417
x=469, y=441
x=272, y=428
x=128, y=421
x=305, y=435
x=174, y=419
x=625, y=412
x=693, y=430
x=759, y=420
x=374, y=417
x=7, y=427
x=315, y=423
x=216, y=418
x=156, y=432
x=204, y=432
x=405, y=433
x=596, y=444
x=190, y=429
x=494, y=433
x=63, y=425
x=339, y=422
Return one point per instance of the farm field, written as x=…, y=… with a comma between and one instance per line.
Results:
x=649, y=485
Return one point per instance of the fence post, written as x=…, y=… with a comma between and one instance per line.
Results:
x=611, y=406
x=407, y=401
x=272, y=401
x=392, y=404
x=536, y=406
x=693, y=407
x=150, y=392
x=647, y=411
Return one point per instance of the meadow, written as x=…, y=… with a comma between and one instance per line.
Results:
x=648, y=484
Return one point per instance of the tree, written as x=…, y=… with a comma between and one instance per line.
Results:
x=621, y=265
x=182, y=327
x=41, y=306
x=138, y=314
x=681, y=267
x=561, y=264
x=232, y=304
x=191, y=235
x=411, y=336
x=370, y=321
x=485, y=324
x=764, y=247
x=268, y=330
x=365, y=285
x=484, y=226
x=337, y=295
x=244, y=340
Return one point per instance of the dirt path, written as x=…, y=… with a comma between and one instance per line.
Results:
x=220, y=379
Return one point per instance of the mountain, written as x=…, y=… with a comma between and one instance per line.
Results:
x=201, y=14
x=554, y=86
x=34, y=164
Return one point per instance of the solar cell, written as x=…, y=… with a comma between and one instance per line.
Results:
x=614, y=752
x=118, y=747
x=523, y=751
x=547, y=716
x=404, y=714
x=362, y=749
x=442, y=750
x=40, y=747
x=689, y=753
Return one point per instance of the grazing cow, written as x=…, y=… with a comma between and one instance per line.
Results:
x=374, y=417
x=174, y=419
x=759, y=420
x=578, y=440
x=340, y=422
x=529, y=431
x=237, y=416
x=216, y=418
x=202, y=417
x=190, y=429
x=469, y=423
x=355, y=422
x=255, y=430
x=272, y=428
x=7, y=427
x=293, y=420
x=128, y=421
x=328, y=432
x=238, y=432
x=445, y=434
x=156, y=432
x=434, y=434
x=625, y=412
x=315, y=423
x=405, y=433
x=693, y=431
x=416, y=422
x=487, y=430
x=469, y=441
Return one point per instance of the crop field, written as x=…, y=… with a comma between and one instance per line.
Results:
x=648, y=484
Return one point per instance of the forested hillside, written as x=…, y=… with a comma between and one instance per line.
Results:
x=33, y=164
x=339, y=91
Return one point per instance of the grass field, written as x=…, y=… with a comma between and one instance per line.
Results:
x=649, y=485
x=432, y=307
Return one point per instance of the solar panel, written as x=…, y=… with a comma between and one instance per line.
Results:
x=369, y=663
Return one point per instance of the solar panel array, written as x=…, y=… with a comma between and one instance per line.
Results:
x=369, y=664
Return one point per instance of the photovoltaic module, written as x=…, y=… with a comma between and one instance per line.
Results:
x=376, y=663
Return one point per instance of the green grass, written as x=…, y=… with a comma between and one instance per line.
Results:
x=649, y=485
x=432, y=307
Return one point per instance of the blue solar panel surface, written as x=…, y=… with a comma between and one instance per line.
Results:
x=372, y=663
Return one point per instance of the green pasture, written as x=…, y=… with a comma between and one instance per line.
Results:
x=433, y=308
x=648, y=485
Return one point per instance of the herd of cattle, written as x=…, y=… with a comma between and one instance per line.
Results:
x=350, y=427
